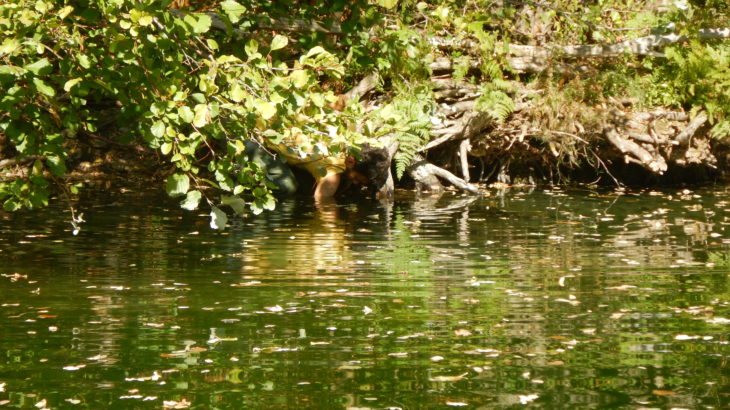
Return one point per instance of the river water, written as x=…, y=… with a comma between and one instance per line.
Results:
x=552, y=298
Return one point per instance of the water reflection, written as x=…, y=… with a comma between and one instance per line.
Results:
x=553, y=298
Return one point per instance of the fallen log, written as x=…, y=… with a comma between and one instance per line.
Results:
x=525, y=58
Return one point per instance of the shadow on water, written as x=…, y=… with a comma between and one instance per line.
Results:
x=547, y=298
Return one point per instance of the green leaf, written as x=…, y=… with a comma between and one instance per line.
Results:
x=269, y=203
x=237, y=93
x=64, y=12
x=218, y=218
x=300, y=78
x=186, y=114
x=388, y=4
x=12, y=70
x=279, y=42
x=165, y=148
x=84, y=61
x=56, y=164
x=191, y=201
x=43, y=88
x=177, y=185
x=158, y=129
x=40, y=67
x=251, y=49
x=8, y=46
x=233, y=9
x=11, y=205
x=199, y=22
x=202, y=115
x=145, y=20
x=70, y=84
x=266, y=109
x=237, y=204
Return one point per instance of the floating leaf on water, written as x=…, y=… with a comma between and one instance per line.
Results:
x=622, y=287
x=244, y=284
x=524, y=399
x=448, y=378
x=572, y=302
x=663, y=392
x=462, y=332
x=398, y=354
x=172, y=404
x=685, y=337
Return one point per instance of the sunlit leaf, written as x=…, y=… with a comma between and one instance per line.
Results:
x=233, y=10
x=64, y=12
x=279, y=42
x=158, y=129
x=218, y=219
x=70, y=84
x=191, y=201
x=202, y=115
x=40, y=67
x=236, y=203
x=177, y=184
x=300, y=78
x=266, y=109
x=199, y=22
x=388, y=4
x=43, y=88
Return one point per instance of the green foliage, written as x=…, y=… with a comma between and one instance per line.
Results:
x=407, y=120
x=495, y=101
x=696, y=77
x=196, y=94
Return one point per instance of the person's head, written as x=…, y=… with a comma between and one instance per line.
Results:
x=371, y=169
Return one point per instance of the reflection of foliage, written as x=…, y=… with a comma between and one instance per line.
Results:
x=719, y=259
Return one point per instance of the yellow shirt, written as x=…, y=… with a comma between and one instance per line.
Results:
x=317, y=164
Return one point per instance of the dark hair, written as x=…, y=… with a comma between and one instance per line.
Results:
x=373, y=163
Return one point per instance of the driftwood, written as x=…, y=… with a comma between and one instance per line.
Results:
x=426, y=176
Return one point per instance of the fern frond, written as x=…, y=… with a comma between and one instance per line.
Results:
x=407, y=119
x=720, y=130
x=497, y=104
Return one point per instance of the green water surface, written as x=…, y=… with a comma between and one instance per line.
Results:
x=544, y=299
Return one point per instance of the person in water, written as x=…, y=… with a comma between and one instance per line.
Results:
x=332, y=173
